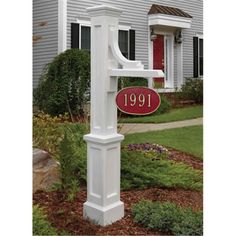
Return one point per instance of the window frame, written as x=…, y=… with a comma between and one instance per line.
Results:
x=88, y=24
x=200, y=36
x=81, y=24
x=128, y=42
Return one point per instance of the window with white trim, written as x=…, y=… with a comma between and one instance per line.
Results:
x=85, y=37
x=123, y=40
x=81, y=38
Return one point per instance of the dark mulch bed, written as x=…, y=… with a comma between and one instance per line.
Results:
x=68, y=215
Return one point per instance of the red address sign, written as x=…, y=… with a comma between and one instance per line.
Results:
x=138, y=100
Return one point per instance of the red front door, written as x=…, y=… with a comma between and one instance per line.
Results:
x=158, y=59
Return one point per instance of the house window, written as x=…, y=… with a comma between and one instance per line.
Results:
x=124, y=42
x=201, y=57
x=85, y=37
x=197, y=56
x=81, y=35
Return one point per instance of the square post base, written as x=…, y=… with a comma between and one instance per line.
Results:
x=103, y=215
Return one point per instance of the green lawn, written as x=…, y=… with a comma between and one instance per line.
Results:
x=173, y=115
x=187, y=139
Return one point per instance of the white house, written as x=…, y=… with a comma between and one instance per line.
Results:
x=163, y=34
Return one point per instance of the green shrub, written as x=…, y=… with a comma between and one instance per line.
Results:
x=192, y=89
x=41, y=226
x=164, y=107
x=124, y=82
x=47, y=132
x=190, y=224
x=72, y=158
x=64, y=141
x=139, y=171
x=64, y=84
x=168, y=218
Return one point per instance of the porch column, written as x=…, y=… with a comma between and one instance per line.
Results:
x=179, y=52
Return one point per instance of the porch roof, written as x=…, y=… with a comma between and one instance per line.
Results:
x=168, y=16
x=155, y=9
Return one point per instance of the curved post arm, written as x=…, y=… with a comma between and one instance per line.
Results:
x=124, y=62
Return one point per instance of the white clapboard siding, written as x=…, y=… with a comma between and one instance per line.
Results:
x=45, y=49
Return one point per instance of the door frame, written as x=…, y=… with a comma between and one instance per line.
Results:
x=168, y=57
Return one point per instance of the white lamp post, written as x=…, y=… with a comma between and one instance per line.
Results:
x=103, y=205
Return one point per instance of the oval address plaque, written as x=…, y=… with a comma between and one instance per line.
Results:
x=138, y=100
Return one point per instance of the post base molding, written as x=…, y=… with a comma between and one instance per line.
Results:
x=103, y=139
x=103, y=204
x=103, y=215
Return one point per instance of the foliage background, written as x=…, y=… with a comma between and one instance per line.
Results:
x=64, y=84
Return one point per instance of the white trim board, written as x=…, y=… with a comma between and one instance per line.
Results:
x=62, y=25
x=169, y=20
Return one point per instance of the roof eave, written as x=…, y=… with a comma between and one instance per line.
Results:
x=169, y=20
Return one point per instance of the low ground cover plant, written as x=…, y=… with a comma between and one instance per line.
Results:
x=139, y=171
x=41, y=226
x=168, y=218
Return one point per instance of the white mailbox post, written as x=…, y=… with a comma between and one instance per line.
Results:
x=103, y=205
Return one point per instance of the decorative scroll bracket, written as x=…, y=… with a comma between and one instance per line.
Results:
x=129, y=68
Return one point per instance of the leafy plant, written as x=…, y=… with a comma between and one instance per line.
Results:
x=190, y=224
x=164, y=107
x=72, y=158
x=48, y=132
x=41, y=226
x=124, y=82
x=139, y=171
x=168, y=218
x=192, y=89
x=64, y=84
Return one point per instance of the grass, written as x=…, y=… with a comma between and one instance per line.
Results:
x=176, y=114
x=186, y=139
x=139, y=172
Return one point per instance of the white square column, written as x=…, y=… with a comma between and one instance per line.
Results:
x=103, y=205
